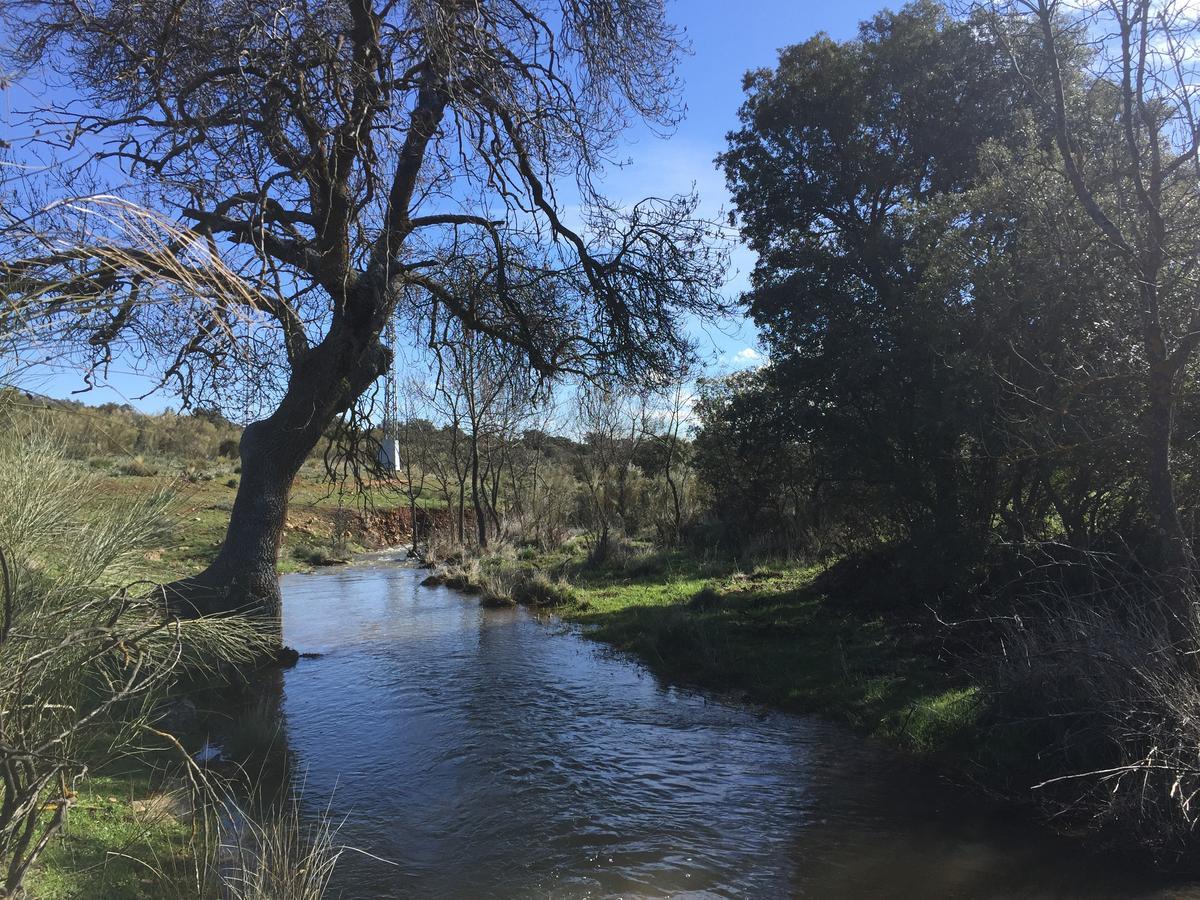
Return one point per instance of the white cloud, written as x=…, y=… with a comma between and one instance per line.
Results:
x=735, y=360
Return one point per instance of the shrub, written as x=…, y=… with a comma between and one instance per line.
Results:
x=706, y=598
x=136, y=467
x=317, y=556
x=537, y=589
x=1099, y=698
x=83, y=661
x=645, y=563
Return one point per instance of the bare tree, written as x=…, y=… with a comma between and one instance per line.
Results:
x=346, y=158
x=414, y=437
x=670, y=455
x=489, y=378
x=453, y=465
x=612, y=424
x=1139, y=100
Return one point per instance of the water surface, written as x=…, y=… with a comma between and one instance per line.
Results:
x=487, y=754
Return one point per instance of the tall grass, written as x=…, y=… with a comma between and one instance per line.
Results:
x=1096, y=697
x=86, y=650
x=277, y=856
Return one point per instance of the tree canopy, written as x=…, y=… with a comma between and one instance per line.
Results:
x=347, y=163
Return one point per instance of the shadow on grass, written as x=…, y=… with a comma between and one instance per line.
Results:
x=123, y=840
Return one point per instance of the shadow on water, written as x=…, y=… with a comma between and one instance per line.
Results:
x=487, y=754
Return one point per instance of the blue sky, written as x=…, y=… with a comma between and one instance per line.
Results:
x=728, y=38
x=724, y=47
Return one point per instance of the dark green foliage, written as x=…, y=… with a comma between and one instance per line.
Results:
x=980, y=314
x=951, y=356
x=843, y=151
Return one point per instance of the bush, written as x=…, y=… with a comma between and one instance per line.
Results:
x=706, y=598
x=645, y=563
x=537, y=589
x=317, y=556
x=84, y=660
x=136, y=467
x=501, y=582
x=1098, y=697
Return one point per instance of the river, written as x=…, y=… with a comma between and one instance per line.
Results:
x=485, y=753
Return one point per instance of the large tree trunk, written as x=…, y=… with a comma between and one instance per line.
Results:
x=325, y=383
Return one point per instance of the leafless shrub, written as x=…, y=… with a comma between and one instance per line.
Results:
x=1104, y=684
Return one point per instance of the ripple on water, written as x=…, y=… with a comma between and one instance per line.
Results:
x=491, y=755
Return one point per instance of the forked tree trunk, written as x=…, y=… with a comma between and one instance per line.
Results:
x=244, y=576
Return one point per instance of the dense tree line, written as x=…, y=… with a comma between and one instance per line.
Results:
x=976, y=281
x=958, y=352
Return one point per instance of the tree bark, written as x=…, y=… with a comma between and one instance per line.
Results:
x=325, y=383
x=1177, y=562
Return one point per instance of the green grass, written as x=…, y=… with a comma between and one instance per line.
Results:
x=773, y=636
x=124, y=838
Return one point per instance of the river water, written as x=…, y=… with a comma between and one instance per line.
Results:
x=484, y=753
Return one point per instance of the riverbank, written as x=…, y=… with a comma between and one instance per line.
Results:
x=128, y=832
x=856, y=643
x=772, y=634
x=541, y=762
x=127, y=836
x=323, y=527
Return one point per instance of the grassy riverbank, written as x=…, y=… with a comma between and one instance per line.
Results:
x=775, y=634
x=772, y=633
x=128, y=832
x=126, y=837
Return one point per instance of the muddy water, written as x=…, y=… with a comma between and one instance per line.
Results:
x=483, y=753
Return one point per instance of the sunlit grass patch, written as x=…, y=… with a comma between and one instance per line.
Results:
x=126, y=837
x=936, y=720
x=767, y=632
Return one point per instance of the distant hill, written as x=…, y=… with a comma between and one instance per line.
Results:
x=119, y=429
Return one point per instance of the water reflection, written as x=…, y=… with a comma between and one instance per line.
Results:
x=489, y=755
